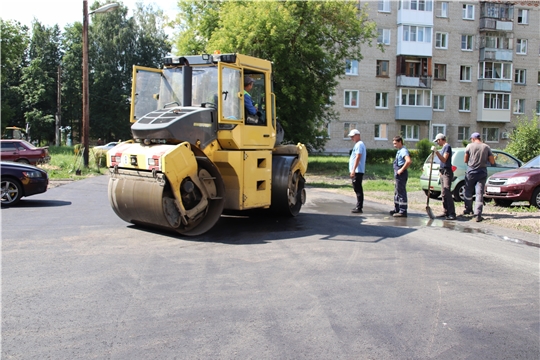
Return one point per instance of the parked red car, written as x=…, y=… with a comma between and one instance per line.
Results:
x=521, y=184
x=24, y=152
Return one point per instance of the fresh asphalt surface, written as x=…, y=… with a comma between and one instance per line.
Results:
x=79, y=283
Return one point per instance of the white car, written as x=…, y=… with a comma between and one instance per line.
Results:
x=107, y=146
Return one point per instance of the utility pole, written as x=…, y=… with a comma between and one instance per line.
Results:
x=58, y=107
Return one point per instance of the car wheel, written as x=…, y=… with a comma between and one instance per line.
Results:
x=535, y=198
x=503, y=203
x=23, y=161
x=11, y=191
x=459, y=192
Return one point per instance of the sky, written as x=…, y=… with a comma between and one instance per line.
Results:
x=63, y=12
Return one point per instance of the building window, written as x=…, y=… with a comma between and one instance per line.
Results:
x=521, y=46
x=519, y=76
x=465, y=73
x=384, y=5
x=382, y=68
x=438, y=129
x=351, y=67
x=493, y=70
x=538, y=77
x=463, y=133
x=381, y=100
x=464, y=103
x=466, y=42
x=381, y=132
x=523, y=16
x=439, y=72
x=438, y=102
x=468, y=12
x=538, y=107
x=441, y=40
x=419, y=5
x=347, y=127
x=442, y=9
x=413, y=97
x=410, y=132
x=384, y=36
x=490, y=134
x=519, y=106
x=416, y=33
x=351, y=98
x=496, y=101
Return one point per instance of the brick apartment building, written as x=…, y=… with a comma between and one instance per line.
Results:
x=454, y=67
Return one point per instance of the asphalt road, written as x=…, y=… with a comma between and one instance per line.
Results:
x=79, y=283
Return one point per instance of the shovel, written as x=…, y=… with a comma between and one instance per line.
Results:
x=428, y=209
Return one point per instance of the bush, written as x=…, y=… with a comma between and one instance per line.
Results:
x=424, y=148
x=525, y=139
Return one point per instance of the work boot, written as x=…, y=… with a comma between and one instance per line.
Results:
x=399, y=214
x=357, y=211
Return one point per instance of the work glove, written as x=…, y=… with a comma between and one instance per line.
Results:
x=433, y=148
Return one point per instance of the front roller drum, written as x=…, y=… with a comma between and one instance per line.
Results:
x=149, y=201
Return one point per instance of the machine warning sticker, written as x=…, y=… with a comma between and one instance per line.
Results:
x=202, y=124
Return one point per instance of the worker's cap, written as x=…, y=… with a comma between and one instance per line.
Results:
x=248, y=80
x=475, y=135
x=354, y=132
x=439, y=137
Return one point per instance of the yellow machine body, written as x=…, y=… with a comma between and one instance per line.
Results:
x=197, y=152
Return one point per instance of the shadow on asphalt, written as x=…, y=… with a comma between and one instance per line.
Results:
x=38, y=204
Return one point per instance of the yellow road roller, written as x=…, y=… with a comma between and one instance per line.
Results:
x=196, y=150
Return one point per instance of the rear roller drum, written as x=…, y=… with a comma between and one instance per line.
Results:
x=288, y=192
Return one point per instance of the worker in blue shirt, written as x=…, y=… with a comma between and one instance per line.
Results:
x=401, y=175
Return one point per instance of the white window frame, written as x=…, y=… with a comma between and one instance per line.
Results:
x=380, y=131
x=436, y=70
x=351, y=67
x=469, y=42
x=438, y=128
x=349, y=99
x=347, y=127
x=381, y=100
x=413, y=33
x=441, y=38
x=383, y=36
x=384, y=6
x=463, y=133
x=495, y=70
x=379, y=65
x=439, y=102
x=468, y=12
x=496, y=101
x=462, y=69
x=413, y=95
x=520, y=76
x=521, y=46
x=519, y=106
x=523, y=19
x=489, y=134
x=442, y=9
x=410, y=132
x=464, y=105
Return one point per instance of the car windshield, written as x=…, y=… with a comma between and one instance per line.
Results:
x=533, y=164
x=28, y=145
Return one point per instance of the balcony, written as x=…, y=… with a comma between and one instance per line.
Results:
x=494, y=85
x=491, y=54
x=414, y=82
x=490, y=24
x=414, y=113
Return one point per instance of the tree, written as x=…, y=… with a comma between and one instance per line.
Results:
x=38, y=86
x=14, y=47
x=525, y=138
x=307, y=41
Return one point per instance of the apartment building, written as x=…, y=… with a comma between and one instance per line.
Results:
x=452, y=67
